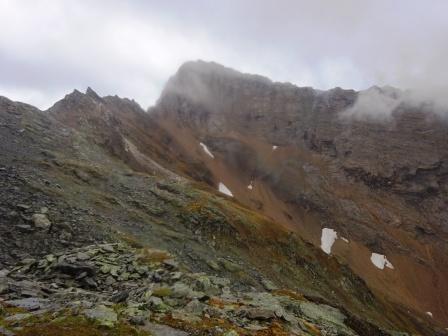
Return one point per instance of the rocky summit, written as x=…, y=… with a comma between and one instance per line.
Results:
x=234, y=206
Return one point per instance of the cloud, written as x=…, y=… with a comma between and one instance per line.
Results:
x=50, y=47
x=375, y=104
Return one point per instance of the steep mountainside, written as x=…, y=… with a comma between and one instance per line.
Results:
x=235, y=177
x=293, y=154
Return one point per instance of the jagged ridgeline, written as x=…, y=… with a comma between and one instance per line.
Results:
x=235, y=206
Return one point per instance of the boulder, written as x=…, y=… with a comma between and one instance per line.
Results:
x=41, y=221
x=29, y=304
x=163, y=330
x=268, y=285
x=103, y=315
x=262, y=314
x=75, y=270
x=82, y=256
x=119, y=297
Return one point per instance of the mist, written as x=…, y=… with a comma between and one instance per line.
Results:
x=380, y=103
x=49, y=47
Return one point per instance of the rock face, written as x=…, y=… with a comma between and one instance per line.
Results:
x=91, y=172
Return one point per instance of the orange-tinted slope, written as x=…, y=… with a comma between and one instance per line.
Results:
x=375, y=184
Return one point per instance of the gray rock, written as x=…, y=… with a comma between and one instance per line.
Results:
x=255, y=327
x=162, y=330
x=203, y=283
x=195, y=307
x=158, y=305
x=90, y=282
x=230, y=333
x=18, y=317
x=136, y=315
x=107, y=248
x=221, y=282
x=119, y=297
x=180, y=290
x=23, y=206
x=137, y=320
x=176, y=275
x=322, y=313
x=103, y=315
x=82, y=256
x=109, y=281
x=268, y=285
x=29, y=304
x=213, y=265
x=230, y=265
x=4, y=286
x=41, y=221
x=74, y=270
x=260, y=314
x=171, y=264
x=105, y=269
x=4, y=273
x=5, y=332
x=24, y=228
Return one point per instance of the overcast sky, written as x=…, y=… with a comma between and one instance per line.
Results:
x=130, y=48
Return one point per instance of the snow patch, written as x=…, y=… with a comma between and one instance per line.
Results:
x=345, y=239
x=429, y=314
x=274, y=147
x=380, y=261
x=206, y=150
x=222, y=188
x=250, y=186
x=327, y=239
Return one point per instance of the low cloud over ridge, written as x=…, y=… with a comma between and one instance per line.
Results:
x=49, y=47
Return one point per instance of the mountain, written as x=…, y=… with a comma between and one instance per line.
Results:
x=235, y=204
x=292, y=154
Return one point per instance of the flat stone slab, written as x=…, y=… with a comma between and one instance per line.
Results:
x=29, y=304
x=163, y=330
x=105, y=316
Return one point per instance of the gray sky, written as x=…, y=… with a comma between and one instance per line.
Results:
x=130, y=48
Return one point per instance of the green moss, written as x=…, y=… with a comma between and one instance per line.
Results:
x=75, y=326
x=162, y=292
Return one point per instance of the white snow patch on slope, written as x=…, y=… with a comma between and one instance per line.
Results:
x=429, y=314
x=274, y=147
x=327, y=239
x=345, y=240
x=222, y=188
x=380, y=261
x=250, y=186
x=206, y=150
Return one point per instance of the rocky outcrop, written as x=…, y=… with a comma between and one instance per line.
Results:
x=113, y=283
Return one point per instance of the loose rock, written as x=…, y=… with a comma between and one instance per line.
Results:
x=41, y=221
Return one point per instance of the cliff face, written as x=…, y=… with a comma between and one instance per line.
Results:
x=299, y=157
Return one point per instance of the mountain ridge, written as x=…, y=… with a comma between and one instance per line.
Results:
x=249, y=127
